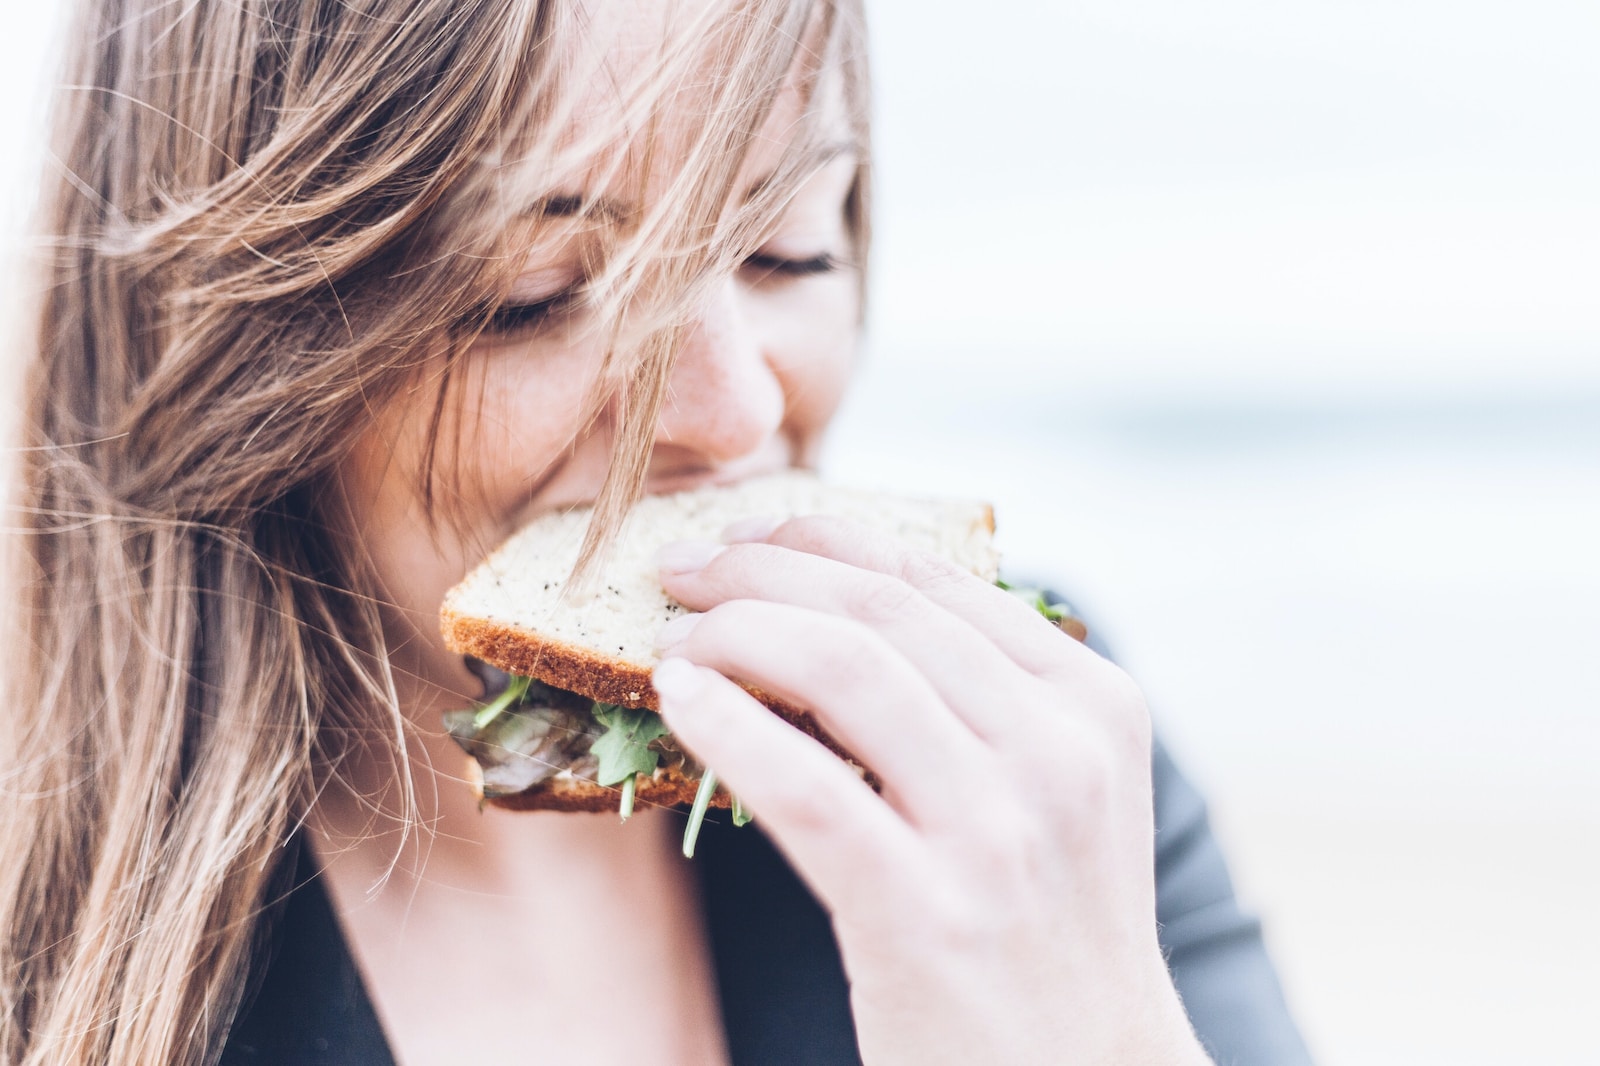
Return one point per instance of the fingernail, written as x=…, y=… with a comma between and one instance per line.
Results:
x=675, y=631
x=686, y=556
x=676, y=681
x=751, y=530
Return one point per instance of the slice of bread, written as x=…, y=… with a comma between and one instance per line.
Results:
x=514, y=611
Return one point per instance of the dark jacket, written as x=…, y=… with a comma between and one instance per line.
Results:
x=784, y=996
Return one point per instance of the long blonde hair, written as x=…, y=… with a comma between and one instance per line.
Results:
x=265, y=219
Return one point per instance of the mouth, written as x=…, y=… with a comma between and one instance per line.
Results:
x=665, y=481
x=686, y=480
x=667, y=474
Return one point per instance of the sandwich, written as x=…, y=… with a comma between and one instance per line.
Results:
x=569, y=722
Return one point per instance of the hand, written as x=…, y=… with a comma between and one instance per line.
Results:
x=996, y=903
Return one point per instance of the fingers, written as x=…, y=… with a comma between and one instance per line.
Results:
x=966, y=670
x=859, y=687
x=962, y=650
x=1016, y=770
x=1011, y=626
x=1015, y=628
x=819, y=812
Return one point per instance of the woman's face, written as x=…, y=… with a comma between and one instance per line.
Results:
x=763, y=368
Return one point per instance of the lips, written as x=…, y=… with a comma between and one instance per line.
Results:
x=666, y=477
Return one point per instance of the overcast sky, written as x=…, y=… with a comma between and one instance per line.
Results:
x=1303, y=192
x=1381, y=193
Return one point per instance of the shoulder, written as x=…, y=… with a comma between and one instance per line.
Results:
x=308, y=1005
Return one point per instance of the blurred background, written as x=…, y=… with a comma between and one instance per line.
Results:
x=1273, y=333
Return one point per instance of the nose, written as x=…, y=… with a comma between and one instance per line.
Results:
x=724, y=400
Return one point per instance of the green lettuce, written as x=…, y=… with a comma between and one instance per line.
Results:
x=623, y=750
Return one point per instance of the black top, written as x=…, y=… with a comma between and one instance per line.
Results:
x=785, y=1001
x=783, y=990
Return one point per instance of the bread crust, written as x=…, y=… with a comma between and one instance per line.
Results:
x=573, y=662
x=518, y=650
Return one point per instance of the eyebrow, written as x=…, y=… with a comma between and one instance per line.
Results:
x=823, y=156
x=572, y=205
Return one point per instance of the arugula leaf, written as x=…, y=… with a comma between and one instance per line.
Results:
x=1056, y=611
x=623, y=750
x=1060, y=614
x=1032, y=597
x=1035, y=598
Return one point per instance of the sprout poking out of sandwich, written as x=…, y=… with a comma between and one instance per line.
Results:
x=513, y=693
x=697, y=813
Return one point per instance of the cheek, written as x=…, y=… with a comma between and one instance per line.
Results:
x=512, y=421
x=413, y=562
x=508, y=417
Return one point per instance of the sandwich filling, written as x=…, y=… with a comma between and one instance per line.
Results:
x=539, y=746
x=529, y=734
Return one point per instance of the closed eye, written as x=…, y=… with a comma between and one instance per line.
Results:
x=766, y=265
x=513, y=318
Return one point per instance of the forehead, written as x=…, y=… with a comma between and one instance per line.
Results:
x=649, y=77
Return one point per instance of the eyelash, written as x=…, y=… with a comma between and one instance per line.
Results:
x=826, y=263
x=509, y=319
x=515, y=318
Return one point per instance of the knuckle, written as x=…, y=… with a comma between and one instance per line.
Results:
x=720, y=631
x=803, y=800
x=884, y=599
x=811, y=532
x=1128, y=718
x=727, y=617
x=1111, y=699
x=803, y=807
x=741, y=567
x=923, y=571
x=1121, y=686
x=856, y=656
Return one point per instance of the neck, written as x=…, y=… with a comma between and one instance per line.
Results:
x=527, y=909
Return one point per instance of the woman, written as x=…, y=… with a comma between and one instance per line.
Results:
x=340, y=293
